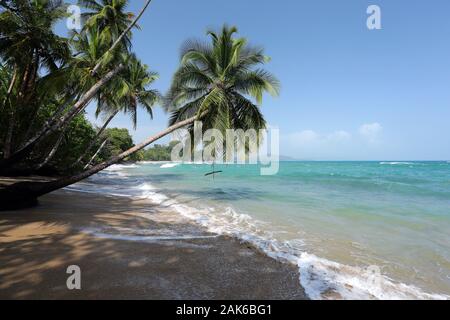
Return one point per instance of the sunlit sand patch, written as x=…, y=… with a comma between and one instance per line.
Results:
x=33, y=230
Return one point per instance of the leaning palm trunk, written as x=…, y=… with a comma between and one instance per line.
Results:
x=26, y=193
x=93, y=141
x=119, y=39
x=52, y=152
x=96, y=153
x=9, y=133
x=59, y=111
x=54, y=125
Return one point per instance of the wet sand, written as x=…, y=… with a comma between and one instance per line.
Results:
x=129, y=249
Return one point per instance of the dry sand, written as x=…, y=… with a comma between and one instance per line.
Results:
x=136, y=253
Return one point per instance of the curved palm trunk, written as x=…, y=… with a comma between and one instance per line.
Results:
x=55, y=116
x=96, y=153
x=52, y=126
x=52, y=152
x=26, y=193
x=24, y=95
x=93, y=141
x=116, y=43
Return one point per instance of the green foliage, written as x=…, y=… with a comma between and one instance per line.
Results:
x=79, y=133
x=130, y=90
x=108, y=16
x=76, y=136
x=118, y=140
x=158, y=152
x=54, y=72
x=221, y=83
x=27, y=36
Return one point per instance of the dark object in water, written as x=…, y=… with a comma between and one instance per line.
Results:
x=213, y=172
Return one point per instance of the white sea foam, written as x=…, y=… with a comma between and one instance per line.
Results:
x=321, y=278
x=169, y=165
x=119, y=167
x=394, y=163
x=146, y=187
x=152, y=162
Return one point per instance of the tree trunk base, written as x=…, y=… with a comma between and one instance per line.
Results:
x=16, y=202
x=17, y=196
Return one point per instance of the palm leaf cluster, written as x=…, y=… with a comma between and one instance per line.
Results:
x=221, y=82
x=26, y=32
x=130, y=91
x=50, y=69
x=109, y=17
x=47, y=82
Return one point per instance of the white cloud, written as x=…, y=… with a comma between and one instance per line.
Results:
x=309, y=144
x=371, y=131
x=311, y=137
x=340, y=135
x=336, y=145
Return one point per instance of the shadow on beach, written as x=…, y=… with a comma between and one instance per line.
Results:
x=168, y=258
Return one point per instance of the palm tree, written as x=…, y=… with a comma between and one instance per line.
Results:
x=127, y=93
x=27, y=38
x=77, y=77
x=217, y=82
x=55, y=124
x=108, y=15
x=88, y=49
x=110, y=18
x=132, y=89
x=53, y=150
x=230, y=62
x=28, y=44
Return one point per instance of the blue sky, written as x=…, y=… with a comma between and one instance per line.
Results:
x=348, y=93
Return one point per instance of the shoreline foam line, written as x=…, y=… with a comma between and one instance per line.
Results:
x=321, y=278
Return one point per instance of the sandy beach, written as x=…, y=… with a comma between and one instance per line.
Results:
x=129, y=249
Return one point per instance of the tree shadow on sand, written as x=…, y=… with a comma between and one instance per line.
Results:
x=37, y=245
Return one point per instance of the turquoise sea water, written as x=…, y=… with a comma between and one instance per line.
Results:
x=355, y=229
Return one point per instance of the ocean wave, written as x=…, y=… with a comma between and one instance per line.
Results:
x=151, y=162
x=321, y=278
x=169, y=165
x=119, y=167
x=146, y=186
x=397, y=163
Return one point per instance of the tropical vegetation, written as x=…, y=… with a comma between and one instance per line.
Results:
x=48, y=80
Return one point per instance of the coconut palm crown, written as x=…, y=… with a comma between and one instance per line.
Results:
x=221, y=83
x=110, y=17
x=129, y=91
